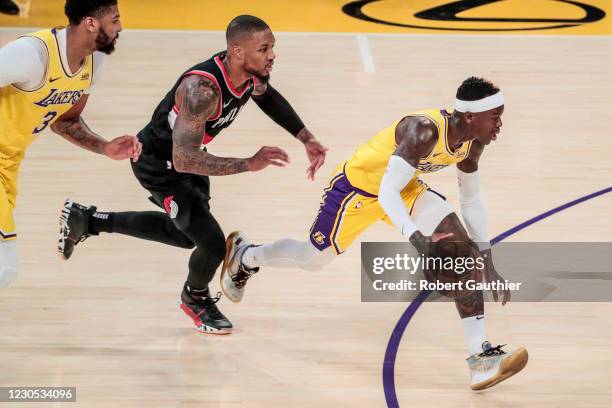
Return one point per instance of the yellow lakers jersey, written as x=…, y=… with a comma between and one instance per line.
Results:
x=25, y=114
x=365, y=169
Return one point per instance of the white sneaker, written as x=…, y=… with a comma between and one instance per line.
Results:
x=494, y=365
x=234, y=273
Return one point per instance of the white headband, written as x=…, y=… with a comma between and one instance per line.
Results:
x=481, y=105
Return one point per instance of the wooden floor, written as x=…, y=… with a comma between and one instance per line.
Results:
x=107, y=321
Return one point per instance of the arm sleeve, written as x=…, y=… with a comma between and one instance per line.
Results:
x=273, y=104
x=23, y=62
x=99, y=61
x=473, y=207
x=398, y=175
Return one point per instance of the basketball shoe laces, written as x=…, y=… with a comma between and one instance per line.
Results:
x=493, y=351
x=241, y=278
x=487, y=360
x=244, y=273
x=82, y=238
x=210, y=306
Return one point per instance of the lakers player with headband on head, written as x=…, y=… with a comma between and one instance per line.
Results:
x=45, y=78
x=380, y=183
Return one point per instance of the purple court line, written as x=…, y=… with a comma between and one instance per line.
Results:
x=402, y=323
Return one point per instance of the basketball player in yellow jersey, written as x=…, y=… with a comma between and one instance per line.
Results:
x=380, y=182
x=45, y=78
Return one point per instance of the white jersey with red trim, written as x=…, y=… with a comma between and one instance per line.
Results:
x=157, y=135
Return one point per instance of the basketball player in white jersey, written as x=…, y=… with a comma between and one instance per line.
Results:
x=45, y=79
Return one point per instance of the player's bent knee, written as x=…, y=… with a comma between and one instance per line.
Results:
x=311, y=266
x=216, y=246
x=312, y=259
x=430, y=211
x=185, y=243
x=8, y=263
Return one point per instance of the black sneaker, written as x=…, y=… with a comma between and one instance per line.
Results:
x=202, y=308
x=74, y=227
x=9, y=7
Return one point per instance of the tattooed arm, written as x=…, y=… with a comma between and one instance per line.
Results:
x=198, y=99
x=73, y=128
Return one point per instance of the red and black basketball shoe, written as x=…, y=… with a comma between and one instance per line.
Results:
x=203, y=310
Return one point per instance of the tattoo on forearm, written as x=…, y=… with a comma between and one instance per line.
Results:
x=76, y=131
x=200, y=162
x=305, y=136
x=199, y=100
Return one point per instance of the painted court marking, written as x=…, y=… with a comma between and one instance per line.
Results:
x=402, y=323
x=366, y=54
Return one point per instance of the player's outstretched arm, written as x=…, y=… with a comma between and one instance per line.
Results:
x=474, y=213
x=73, y=128
x=198, y=99
x=471, y=200
x=273, y=104
x=415, y=138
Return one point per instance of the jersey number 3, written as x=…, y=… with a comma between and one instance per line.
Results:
x=48, y=118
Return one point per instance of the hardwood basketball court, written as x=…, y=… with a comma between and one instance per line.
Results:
x=107, y=321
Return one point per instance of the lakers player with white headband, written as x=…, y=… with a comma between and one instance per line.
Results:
x=400, y=172
x=380, y=182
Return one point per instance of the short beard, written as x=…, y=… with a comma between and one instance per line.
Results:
x=264, y=79
x=104, y=43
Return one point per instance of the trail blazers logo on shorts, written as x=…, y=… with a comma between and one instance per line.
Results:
x=171, y=206
x=477, y=15
x=173, y=209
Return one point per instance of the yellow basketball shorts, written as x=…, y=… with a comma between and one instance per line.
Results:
x=8, y=195
x=347, y=211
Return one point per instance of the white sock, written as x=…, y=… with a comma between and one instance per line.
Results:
x=287, y=253
x=474, y=329
x=8, y=262
x=253, y=256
